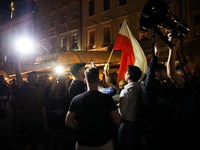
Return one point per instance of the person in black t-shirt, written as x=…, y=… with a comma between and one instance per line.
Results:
x=77, y=85
x=91, y=114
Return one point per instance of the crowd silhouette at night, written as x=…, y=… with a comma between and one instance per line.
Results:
x=68, y=112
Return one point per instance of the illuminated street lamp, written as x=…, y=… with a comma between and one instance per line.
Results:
x=24, y=45
x=59, y=69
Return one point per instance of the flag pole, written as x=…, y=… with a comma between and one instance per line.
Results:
x=106, y=67
x=110, y=56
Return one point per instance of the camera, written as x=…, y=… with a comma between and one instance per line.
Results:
x=156, y=13
x=174, y=25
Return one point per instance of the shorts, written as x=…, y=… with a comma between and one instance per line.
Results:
x=32, y=132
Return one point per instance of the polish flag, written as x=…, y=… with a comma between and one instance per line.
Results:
x=132, y=53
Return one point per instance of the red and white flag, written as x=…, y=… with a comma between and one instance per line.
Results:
x=132, y=53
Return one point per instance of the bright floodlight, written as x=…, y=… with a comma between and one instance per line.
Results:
x=59, y=69
x=24, y=45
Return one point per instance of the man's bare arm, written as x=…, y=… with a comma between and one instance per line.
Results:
x=69, y=120
x=107, y=77
x=18, y=73
x=171, y=69
x=115, y=117
x=52, y=87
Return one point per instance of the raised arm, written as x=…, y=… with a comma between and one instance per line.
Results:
x=18, y=73
x=152, y=67
x=171, y=69
x=107, y=77
x=52, y=87
x=66, y=87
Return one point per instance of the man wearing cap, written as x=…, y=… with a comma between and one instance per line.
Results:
x=160, y=105
x=77, y=86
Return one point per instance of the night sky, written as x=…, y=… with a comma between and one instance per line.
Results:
x=5, y=8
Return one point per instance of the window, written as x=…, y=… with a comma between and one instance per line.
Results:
x=74, y=12
x=41, y=45
x=63, y=44
x=122, y=2
x=92, y=39
x=74, y=41
x=52, y=46
x=197, y=26
x=106, y=32
x=163, y=30
x=52, y=22
x=106, y=5
x=144, y=35
x=63, y=15
x=91, y=7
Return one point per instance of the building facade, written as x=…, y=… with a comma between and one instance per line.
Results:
x=103, y=19
x=59, y=26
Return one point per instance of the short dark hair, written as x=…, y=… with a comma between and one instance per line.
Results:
x=184, y=62
x=160, y=66
x=92, y=75
x=32, y=73
x=134, y=72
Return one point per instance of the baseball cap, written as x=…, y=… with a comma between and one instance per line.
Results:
x=75, y=68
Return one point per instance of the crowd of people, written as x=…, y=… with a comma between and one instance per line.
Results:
x=159, y=112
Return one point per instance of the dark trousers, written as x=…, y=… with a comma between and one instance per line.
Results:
x=129, y=136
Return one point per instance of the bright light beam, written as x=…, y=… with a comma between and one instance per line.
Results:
x=59, y=69
x=24, y=45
